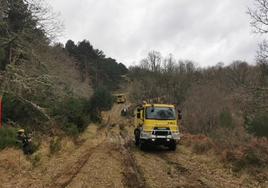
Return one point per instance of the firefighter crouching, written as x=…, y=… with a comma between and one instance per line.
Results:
x=25, y=142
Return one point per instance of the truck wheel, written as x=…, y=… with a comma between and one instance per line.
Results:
x=172, y=146
x=137, y=141
x=142, y=145
x=137, y=137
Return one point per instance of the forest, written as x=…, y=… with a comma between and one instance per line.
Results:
x=40, y=77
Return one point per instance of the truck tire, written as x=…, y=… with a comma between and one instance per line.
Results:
x=172, y=146
x=142, y=145
x=137, y=137
x=137, y=140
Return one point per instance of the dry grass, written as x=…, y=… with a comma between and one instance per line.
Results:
x=200, y=144
x=251, y=157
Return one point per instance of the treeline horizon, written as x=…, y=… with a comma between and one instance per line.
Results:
x=238, y=89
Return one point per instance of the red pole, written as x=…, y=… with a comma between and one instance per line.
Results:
x=1, y=111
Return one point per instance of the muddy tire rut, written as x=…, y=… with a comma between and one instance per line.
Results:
x=64, y=179
x=133, y=176
x=108, y=164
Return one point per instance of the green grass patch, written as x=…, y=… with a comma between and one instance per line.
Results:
x=8, y=138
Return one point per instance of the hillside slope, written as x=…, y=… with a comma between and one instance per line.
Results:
x=35, y=87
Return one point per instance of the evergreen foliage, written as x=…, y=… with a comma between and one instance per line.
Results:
x=8, y=138
x=258, y=125
x=102, y=100
x=93, y=63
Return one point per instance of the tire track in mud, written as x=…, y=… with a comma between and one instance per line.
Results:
x=137, y=168
x=133, y=176
x=132, y=173
x=186, y=176
x=115, y=144
x=165, y=172
x=185, y=169
x=64, y=179
x=66, y=176
x=154, y=169
x=202, y=174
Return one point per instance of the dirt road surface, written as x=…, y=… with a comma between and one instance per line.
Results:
x=107, y=157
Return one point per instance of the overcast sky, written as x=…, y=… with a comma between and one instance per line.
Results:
x=205, y=31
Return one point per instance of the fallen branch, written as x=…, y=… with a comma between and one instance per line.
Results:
x=34, y=106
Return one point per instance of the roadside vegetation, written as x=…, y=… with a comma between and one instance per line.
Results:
x=8, y=138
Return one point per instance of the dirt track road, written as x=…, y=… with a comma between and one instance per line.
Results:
x=107, y=157
x=116, y=162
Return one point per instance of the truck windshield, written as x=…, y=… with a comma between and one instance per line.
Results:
x=160, y=113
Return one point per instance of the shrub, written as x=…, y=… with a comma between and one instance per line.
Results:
x=35, y=145
x=71, y=129
x=72, y=115
x=200, y=143
x=55, y=145
x=36, y=159
x=2, y=58
x=101, y=100
x=258, y=125
x=252, y=155
x=226, y=120
x=8, y=138
x=2, y=54
x=22, y=112
x=201, y=147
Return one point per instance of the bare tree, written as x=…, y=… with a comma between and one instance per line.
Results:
x=259, y=21
x=259, y=16
x=169, y=64
x=154, y=59
x=144, y=64
x=262, y=53
x=47, y=20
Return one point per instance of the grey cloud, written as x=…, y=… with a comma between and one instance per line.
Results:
x=206, y=31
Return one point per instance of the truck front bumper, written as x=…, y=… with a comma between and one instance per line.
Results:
x=148, y=136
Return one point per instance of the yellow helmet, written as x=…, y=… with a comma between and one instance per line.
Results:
x=21, y=131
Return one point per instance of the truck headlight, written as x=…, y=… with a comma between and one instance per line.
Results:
x=145, y=134
x=176, y=135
